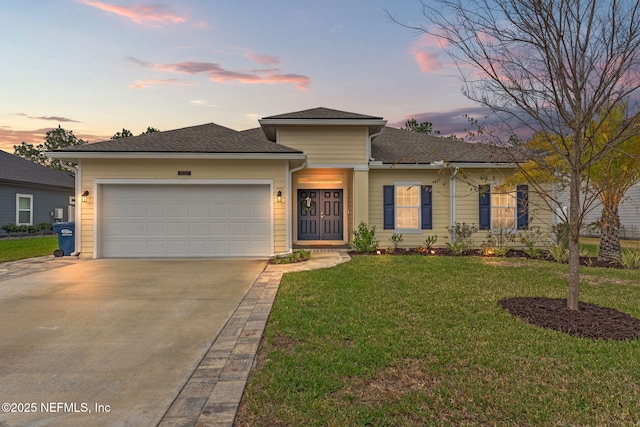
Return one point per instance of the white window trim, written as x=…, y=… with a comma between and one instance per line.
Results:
x=418, y=228
x=18, y=210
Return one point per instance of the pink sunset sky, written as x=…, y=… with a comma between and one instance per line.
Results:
x=95, y=67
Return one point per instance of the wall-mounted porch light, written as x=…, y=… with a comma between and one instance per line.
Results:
x=279, y=196
x=84, y=196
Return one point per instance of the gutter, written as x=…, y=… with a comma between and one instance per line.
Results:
x=76, y=155
x=433, y=166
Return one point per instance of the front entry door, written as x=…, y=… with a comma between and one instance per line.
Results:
x=319, y=214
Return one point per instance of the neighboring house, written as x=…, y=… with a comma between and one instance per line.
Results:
x=629, y=211
x=303, y=178
x=31, y=193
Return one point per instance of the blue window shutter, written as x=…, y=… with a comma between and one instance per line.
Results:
x=485, y=207
x=389, y=207
x=522, y=209
x=425, y=204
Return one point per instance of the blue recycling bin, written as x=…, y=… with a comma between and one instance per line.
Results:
x=66, y=238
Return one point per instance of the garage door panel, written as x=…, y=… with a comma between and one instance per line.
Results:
x=185, y=220
x=218, y=210
x=198, y=229
x=157, y=229
x=176, y=211
x=156, y=247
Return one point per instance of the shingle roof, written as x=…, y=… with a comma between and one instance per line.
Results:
x=207, y=138
x=403, y=146
x=398, y=146
x=322, y=113
x=14, y=169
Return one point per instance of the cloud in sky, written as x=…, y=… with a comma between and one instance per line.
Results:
x=49, y=118
x=142, y=84
x=141, y=14
x=222, y=75
x=261, y=58
x=202, y=103
x=426, y=51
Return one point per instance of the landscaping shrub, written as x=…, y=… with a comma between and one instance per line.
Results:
x=629, y=258
x=462, y=237
x=364, y=238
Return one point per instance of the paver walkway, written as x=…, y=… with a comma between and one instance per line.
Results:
x=212, y=395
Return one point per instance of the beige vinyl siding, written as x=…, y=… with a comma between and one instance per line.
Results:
x=333, y=145
x=440, y=204
x=93, y=169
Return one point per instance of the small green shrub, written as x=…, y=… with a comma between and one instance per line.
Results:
x=463, y=233
x=430, y=241
x=462, y=237
x=457, y=248
x=396, y=239
x=629, y=258
x=296, y=256
x=31, y=229
x=559, y=253
x=533, y=240
x=496, y=243
x=364, y=238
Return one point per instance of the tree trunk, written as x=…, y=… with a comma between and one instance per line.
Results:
x=574, y=241
x=609, y=233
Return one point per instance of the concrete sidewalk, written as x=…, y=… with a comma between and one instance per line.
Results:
x=212, y=395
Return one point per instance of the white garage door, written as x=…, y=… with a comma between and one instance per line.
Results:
x=184, y=220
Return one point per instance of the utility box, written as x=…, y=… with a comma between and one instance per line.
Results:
x=58, y=214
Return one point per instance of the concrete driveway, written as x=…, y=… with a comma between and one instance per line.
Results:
x=111, y=342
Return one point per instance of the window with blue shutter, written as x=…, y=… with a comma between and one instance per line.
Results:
x=522, y=207
x=485, y=207
x=425, y=207
x=389, y=207
x=409, y=215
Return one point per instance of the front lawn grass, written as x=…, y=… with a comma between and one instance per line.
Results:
x=16, y=249
x=412, y=340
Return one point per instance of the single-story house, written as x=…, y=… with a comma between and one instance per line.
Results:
x=301, y=178
x=31, y=193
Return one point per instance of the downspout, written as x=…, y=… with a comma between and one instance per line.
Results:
x=452, y=201
x=78, y=213
x=290, y=204
x=369, y=144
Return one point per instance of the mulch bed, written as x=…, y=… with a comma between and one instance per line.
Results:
x=590, y=321
x=511, y=253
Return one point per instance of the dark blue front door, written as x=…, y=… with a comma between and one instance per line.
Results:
x=319, y=214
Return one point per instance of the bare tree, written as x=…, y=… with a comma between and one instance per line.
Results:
x=552, y=66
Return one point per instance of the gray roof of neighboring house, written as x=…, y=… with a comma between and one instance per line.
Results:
x=16, y=170
x=321, y=113
x=207, y=138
